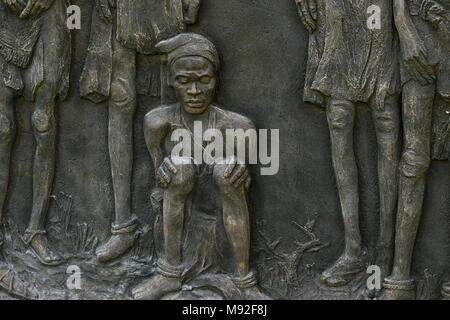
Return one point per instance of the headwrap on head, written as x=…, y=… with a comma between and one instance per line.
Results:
x=188, y=44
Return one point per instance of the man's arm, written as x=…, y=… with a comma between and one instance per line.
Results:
x=413, y=50
x=156, y=128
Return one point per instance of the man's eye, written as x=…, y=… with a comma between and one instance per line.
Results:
x=183, y=80
x=205, y=79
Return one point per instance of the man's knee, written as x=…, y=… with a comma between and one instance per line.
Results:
x=42, y=122
x=183, y=181
x=414, y=164
x=123, y=95
x=340, y=114
x=7, y=128
x=386, y=122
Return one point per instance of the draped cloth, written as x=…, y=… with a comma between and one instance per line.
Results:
x=25, y=44
x=139, y=25
x=346, y=59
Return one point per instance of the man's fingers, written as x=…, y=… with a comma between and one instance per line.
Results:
x=308, y=28
x=238, y=174
x=36, y=10
x=307, y=15
x=313, y=8
x=26, y=11
x=248, y=183
x=163, y=175
x=229, y=168
x=169, y=165
x=241, y=180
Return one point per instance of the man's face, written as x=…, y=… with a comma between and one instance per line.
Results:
x=193, y=79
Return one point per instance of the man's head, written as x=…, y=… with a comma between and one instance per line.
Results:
x=193, y=63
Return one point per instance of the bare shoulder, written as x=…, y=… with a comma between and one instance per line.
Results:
x=232, y=120
x=160, y=117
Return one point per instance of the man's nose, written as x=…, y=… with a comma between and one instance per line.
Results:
x=193, y=89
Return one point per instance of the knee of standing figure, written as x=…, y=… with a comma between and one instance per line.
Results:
x=7, y=128
x=414, y=164
x=184, y=178
x=340, y=115
x=42, y=122
x=386, y=123
x=123, y=96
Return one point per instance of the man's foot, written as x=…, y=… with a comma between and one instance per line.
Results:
x=14, y=286
x=446, y=291
x=342, y=271
x=38, y=243
x=116, y=246
x=383, y=260
x=156, y=287
x=121, y=240
x=398, y=289
x=249, y=288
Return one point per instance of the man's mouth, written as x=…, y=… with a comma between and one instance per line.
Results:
x=194, y=103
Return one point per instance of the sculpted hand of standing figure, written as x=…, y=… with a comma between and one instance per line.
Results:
x=307, y=10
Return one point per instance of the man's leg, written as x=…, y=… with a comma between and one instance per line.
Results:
x=44, y=128
x=236, y=221
x=122, y=106
x=170, y=266
x=387, y=125
x=417, y=120
x=341, y=117
x=7, y=135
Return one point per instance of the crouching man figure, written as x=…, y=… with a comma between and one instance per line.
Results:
x=193, y=64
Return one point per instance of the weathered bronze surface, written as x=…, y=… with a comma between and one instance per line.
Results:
x=96, y=204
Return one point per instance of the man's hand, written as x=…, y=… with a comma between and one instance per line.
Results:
x=165, y=172
x=34, y=8
x=238, y=175
x=103, y=8
x=307, y=10
x=414, y=56
x=16, y=6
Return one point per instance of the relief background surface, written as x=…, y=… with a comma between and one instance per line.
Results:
x=263, y=49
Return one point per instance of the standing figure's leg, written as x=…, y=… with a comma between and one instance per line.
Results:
x=417, y=120
x=170, y=266
x=44, y=128
x=341, y=117
x=236, y=221
x=7, y=135
x=387, y=125
x=122, y=106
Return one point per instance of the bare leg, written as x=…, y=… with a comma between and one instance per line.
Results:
x=236, y=218
x=387, y=125
x=170, y=268
x=341, y=116
x=417, y=119
x=122, y=106
x=7, y=135
x=44, y=127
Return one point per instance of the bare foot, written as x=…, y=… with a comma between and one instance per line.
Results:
x=116, y=246
x=156, y=287
x=343, y=271
x=39, y=246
